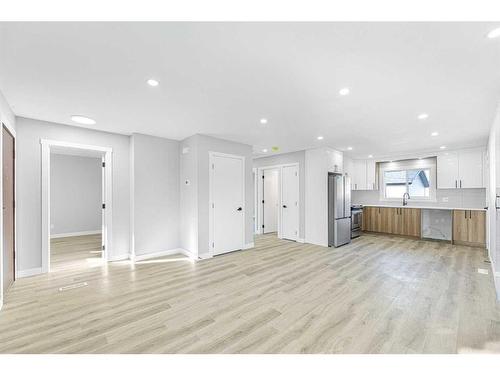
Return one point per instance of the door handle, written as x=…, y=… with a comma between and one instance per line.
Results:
x=284, y=206
x=239, y=209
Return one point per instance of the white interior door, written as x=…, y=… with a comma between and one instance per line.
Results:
x=227, y=204
x=290, y=202
x=271, y=200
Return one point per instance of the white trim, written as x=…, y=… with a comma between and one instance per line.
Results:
x=249, y=245
x=74, y=234
x=108, y=183
x=260, y=213
x=188, y=253
x=211, y=155
x=301, y=240
x=10, y=128
x=119, y=257
x=158, y=254
x=29, y=272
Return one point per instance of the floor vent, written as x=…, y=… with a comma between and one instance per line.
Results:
x=72, y=286
x=482, y=271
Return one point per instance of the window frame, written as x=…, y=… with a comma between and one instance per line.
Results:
x=409, y=165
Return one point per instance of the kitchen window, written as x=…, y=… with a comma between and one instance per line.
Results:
x=415, y=177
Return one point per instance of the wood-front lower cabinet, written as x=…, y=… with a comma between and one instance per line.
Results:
x=392, y=220
x=469, y=227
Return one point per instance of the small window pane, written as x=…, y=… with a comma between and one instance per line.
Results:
x=395, y=184
x=419, y=183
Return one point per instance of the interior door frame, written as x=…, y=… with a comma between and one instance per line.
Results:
x=107, y=233
x=260, y=209
x=211, y=210
x=12, y=132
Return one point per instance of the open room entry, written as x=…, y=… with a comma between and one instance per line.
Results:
x=278, y=200
x=8, y=217
x=80, y=232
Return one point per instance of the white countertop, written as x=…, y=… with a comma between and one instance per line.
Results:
x=424, y=207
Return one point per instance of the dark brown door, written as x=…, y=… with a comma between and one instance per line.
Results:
x=8, y=209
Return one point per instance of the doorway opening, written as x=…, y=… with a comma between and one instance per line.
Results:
x=278, y=201
x=76, y=205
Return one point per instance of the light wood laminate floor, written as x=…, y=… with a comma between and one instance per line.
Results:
x=379, y=294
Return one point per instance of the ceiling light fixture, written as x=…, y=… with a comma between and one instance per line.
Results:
x=434, y=134
x=263, y=121
x=349, y=148
x=345, y=91
x=370, y=156
x=264, y=150
x=82, y=120
x=153, y=82
x=423, y=116
x=495, y=33
x=320, y=138
x=442, y=147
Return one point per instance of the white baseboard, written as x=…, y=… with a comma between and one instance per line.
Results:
x=301, y=240
x=496, y=278
x=188, y=253
x=116, y=258
x=29, y=272
x=249, y=245
x=73, y=234
x=159, y=254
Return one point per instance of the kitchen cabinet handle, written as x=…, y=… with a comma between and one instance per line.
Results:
x=465, y=214
x=496, y=202
x=456, y=184
x=460, y=184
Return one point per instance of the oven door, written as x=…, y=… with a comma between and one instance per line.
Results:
x=356, y=219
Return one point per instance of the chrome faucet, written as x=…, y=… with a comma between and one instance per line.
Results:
x=406, y=196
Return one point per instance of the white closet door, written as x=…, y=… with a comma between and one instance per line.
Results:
x=271, y=200
x=290, y=203
x=470, y=167
x=227, y=204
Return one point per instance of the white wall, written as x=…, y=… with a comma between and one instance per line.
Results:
x=289, y=158
x=189, y=195
x=29, y=133
x=195, y=196
x=155, y=192
x=8, y=118
x=75, y=194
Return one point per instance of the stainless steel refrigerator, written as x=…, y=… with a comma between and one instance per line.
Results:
x=339, y=209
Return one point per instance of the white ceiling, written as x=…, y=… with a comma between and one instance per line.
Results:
x=221, y=78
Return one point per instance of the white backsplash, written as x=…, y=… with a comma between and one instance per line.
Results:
x=459, y=198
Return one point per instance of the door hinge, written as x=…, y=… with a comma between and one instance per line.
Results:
x=103, y=206
x=213, y=166
x=262, y=201
x=103, y=164
x=213, y=244
x=296, y=174
x=103, y=247
x=213, y=205
x=262, y=176
x=262, y=226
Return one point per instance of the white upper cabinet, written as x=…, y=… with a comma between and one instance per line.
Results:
x=371, y=175
x=470, y=169
x=460, y=169
x=447, y=170
x=363, y=175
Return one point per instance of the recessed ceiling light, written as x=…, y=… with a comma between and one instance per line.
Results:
x=349, y=148
x=82, y=120
x=495, y=33
x=264, y=150
x=153, y=82
x=263, y=120
x=442, y=147
x=423, y=116
x=345, y=91
x=434, y=134
x=370, y=156
x=320, y=138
